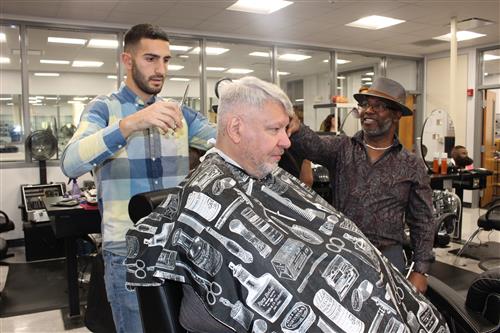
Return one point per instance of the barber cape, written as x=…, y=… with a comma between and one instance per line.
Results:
x=272, y=255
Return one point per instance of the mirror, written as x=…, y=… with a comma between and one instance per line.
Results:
x=438, y=136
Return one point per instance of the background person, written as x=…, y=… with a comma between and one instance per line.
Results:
x=134, y=142
x=376, y=182
x=460, y=157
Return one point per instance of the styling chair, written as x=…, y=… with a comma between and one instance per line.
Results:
x=478, y=312
x=159, y=306
x=5, y=225
x=488, y=222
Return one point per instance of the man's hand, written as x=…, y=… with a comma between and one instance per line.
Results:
x=419, y=280
x=293, y=126
x=161, y=114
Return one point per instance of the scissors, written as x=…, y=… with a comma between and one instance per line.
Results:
x=337, y=245
x=184, y=97
x=137, y=268
x=213, y=289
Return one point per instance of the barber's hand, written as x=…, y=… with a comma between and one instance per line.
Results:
x=419, y=280
x=293, y=126
x=162, y=114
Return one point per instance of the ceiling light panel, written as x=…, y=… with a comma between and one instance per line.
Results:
x=461, y=36
x=60, y=40
x=293, y=57
x=374, y=22
x=259, y=54
x=3, y=38
x=183, y=79
x=4, y=60
x=103, y=43
x=54, y=62
x=216, y=69
x=84, y=63
x=172, y=67
x=46, y=74
x=239, y=71
x=259, y=6
x=182, y=48
x=490, y=57
x=210, y=50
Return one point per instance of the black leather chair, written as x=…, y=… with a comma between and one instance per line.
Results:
x=5, y=225
x=479, y=312
x=488, y=222
x=159, y=306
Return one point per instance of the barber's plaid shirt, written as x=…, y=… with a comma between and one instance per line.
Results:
x=146, y=161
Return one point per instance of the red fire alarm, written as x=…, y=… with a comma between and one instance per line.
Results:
x=470, y=92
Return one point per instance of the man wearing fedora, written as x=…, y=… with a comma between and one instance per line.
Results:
x=375, y=181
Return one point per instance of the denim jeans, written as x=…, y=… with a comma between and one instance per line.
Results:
x=124, y=303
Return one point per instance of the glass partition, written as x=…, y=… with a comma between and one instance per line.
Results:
x=491, y=67
x=11, y=115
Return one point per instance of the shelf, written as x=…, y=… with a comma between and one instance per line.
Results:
x=334, y=105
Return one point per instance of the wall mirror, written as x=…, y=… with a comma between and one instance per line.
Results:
x=438, y=136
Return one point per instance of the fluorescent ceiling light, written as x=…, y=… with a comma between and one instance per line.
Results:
x=370, y=73
x=179, y=48
x=489, y=57
x=54, y=62
x=485, y=74
x=180, y=79
x=283, y=73
x=210, y=50
x=259, y=54
x=366, y=79
x=74, y=102
x=80, y=98
x=461, y=36
x=3, y=38
x=84, y=63
x=216, y=69
x=239, y=71
x=299, y=100
x=339, y=61
x=40, y=97
x=374, y=22
x=183, y=56
x=259, y=6
x=51, y=98
x=341, y=77
x=175, y=67
x=293, y=57
x=5, y=98
x=46, y=74
x=10, y=104
x=30, y=52
x=103, y=43
x=114, y=77
x=4, y=60
x=60, y=40
x=340, y=88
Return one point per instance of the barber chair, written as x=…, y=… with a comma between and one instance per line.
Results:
x=5, y=225
x=159, y=306
x=488, y=222
x=476, y=313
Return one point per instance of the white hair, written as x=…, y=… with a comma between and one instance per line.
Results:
x=251, y=92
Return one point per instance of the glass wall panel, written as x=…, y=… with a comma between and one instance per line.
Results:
x=403, y=71
x=305, y=76
x=234, y=60
x=66, y=70
x=491, y=67
x=183, y=70
x=11, y=116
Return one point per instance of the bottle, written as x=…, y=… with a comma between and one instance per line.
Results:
x=266, y=295
x=337, y=313
x=237, y=227
x=444, y=164
x=75, y=189
x=435, y=163
x=239, y=312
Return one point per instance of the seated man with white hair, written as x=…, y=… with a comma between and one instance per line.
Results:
x=259, y=250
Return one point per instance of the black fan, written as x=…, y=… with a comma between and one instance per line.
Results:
x=41, y=145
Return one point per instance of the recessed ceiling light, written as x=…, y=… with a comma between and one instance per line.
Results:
x=85, y=63
x=340, y=88
x=370, y=73
x=54, y=62
x=239, y=71
x=180, y=79
x=283, y=73
x=259, y=6
x=216, y=69
x=5, y=98
x=210, y=50
x=485, y=74
x=489, y=57
x=339, y=61
x=74, y=102
x=103, y=43
x=366, y=79
x=60, y=40
x=293, y=57
x=299, y=100
x=461, y=36
x=46, y=74
x=4, y=60
x=183, y=56
x=80, y=98
x=179, y=48
x=52, y=98
x=341, y=77
x=374, y=22
x=113, y=77
x=3, y=38
x=172, y=67
x=259, y=54
x=10, y=104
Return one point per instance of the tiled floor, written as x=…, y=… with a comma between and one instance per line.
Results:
x=52, y=321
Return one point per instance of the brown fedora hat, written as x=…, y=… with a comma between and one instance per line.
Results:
x=390, y=91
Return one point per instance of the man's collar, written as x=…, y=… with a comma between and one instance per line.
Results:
x=359, y=137
x=131, y=96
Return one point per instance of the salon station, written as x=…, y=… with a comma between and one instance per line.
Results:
x=56, y=57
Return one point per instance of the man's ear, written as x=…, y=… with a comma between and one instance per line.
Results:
x=234, y=128
x=127, y=60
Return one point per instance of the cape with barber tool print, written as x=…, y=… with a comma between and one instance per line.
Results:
x=271, y=255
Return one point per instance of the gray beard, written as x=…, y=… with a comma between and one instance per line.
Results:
x=379, y=131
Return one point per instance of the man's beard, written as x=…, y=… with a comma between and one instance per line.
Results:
x=262, y=169
x=142, y=82
x=380, y=130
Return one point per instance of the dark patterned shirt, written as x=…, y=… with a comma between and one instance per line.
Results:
x=378, y=196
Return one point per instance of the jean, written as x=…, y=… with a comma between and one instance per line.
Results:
x=124, y=303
